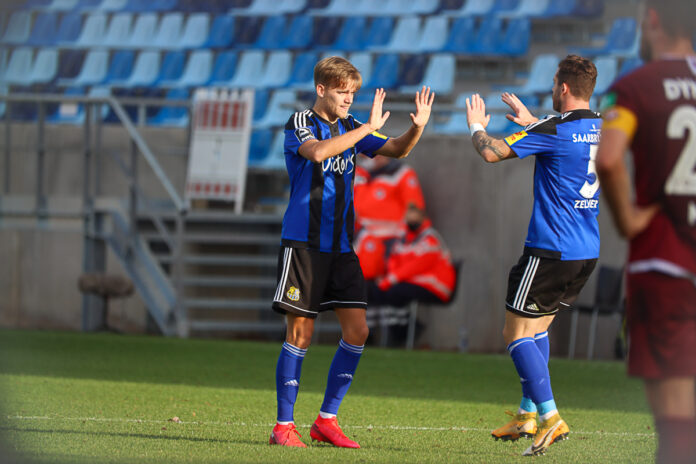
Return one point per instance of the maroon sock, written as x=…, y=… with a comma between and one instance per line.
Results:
x=676, y=440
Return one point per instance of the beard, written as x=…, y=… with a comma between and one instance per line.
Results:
x=556, y=99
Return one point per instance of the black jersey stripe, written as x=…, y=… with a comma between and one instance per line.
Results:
x=316, y=195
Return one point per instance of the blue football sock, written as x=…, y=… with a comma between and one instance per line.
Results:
x=532, y=369
x=542, y=342
x=288, y=380
x=340, y=375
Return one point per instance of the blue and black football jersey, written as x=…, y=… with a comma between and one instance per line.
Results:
x=566, y=188
x=320, y=213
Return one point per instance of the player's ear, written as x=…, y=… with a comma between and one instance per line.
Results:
x=320, y=90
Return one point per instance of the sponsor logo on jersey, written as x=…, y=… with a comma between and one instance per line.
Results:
x=293, y=294
x=533, y=307
x=303, y=134
x=586, y=204
x=339, y=164
x=586, y=138
x=516, y=137
x=676, y=89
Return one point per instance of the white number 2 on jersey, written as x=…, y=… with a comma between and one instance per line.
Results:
x=588, y=190
x=682, y=179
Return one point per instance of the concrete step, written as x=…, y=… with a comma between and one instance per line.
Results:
x=223, y=260
x=228, y=303
x=225, y=281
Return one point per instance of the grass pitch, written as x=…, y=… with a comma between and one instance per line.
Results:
x=87, y=398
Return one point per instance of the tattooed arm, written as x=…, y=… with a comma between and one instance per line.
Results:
x=491, y=149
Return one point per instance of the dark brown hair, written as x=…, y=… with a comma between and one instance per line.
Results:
x=336, y=72
x=580, y=74
x=678, y=17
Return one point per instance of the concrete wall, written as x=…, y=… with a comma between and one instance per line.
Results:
x=481, y=210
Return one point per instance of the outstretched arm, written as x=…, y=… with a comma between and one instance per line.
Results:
x=401, y=146
x=522, y=115
x=318, y=151
x=491, y=149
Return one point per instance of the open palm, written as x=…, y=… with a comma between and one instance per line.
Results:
x=424, y=104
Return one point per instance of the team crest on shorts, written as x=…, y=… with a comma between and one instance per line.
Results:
x=293, y=293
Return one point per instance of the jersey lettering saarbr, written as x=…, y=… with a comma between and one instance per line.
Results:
x=320, y=214
x=566, y=188
x=655, y=106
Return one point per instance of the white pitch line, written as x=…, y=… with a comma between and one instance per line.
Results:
x=366, y=427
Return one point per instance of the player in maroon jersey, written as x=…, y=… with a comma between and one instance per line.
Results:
x=652, y=111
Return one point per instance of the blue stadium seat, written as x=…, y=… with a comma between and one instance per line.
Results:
x=498, y=124
x=172, y=68
x=299, y=33
x=145, y=70
x=70, y=63
x=270, y=8
x=87, y=5
x=607, y=71
x=488, y=36
x=461, y=36
x=412, y=71
x=589, y=8
x=456, y=123
x=260, y=103
x=4, y=54
x=144, y=31
x=540, y=79
x=259, y=145
x=363, y=62
x=18, y=28
x=527, y=9
x=249, y=69
x=71, y=113
x=340, y=8
x=472, y=8
x=69, y=29
x=379, y=32
x=197, y=70
x=221, y=32
x=247, y=30
x=93, y=70
x=517, y=37
x=223, y=68
x=61, y=5
x=621, y=39
x=439, y=75
x=93, y=31
x=3, y=106
x=302, y=75
x=504, y=6
x=196, y=31
x=172, y=116
x=434, y=35
x=29, y=4
x=120, y=68
x=112, y=5
x=279, y=109
x=45, y=67
x=119, y=32
x=406, y=33
x=421, y=7
x=275, y=158
x=277, y=70
x=557, y=9
x=271, y=34
x=169, y=31
x=385, y=73
x=325, y=32
x=351, y=35
x=19, y=66
x=362, y=99
x=44, y=30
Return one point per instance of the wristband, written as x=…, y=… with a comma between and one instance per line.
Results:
x=475, y=127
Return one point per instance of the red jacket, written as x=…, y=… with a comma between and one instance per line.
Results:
x=421, y=258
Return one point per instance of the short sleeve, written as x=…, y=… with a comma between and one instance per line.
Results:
x=619, y=108
x=536, y=139
x=299, y=128
x=371, y=142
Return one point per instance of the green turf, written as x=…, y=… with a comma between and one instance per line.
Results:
x=89, y=398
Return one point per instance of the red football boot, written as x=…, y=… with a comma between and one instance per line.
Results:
x=328, y=430
x=285, y=435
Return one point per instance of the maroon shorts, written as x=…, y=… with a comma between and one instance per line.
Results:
x=661, y=317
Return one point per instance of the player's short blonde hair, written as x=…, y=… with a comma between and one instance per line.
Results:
x=337, y=72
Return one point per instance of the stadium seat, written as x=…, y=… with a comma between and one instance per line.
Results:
x=259, y=145
x=487, y=40
x=325, y=32
x=457, y=123
x=197, y=71
x=588, y=8
x=19, y=67
x=247, y=30
x=270, y=8
x=412, y=70
x=172, y=68
x=620, y=40
x=279, y=109
x=473, y=8
x=221, y=32
x=3, y=106
x=120, y=68
x=541, y=74
x=434, y=35
x=363, y=62
x=112, y=5
x=351, y=35
x=223, y=68
x=249, y=70
x=498, y=124
x=299, y=33
x=45, y=67
x=18, y=28
x=421, y=7
x=271, y=34
x=607, y=70
x=87, y=5
x=169, y=32
x=527, y=9
x=93, y=31
x=69, y=29
x=118, y=33
x=196, y=31
x=44, y=30
x=302, y=75
x=93, y=71
x=29, y=4
x=4, y=52
x=61, y=5
x=276, y=71
x=145, y=70
x=439, y=75
x=406, y=34
x=69, y=64
x=340, y=8
x=71, y=113
x=385, y=72
x=144, y=31
x=260, y=103
x=362, y=104
x=275, y=159
x=379, y=32
x=172, y=116
x=501, y=7
x=558, y=9
x=461, y=36
x=517, y=37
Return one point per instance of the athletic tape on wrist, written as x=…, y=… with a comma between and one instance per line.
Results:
x=475, y=127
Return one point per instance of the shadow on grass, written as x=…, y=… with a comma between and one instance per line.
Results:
x=251, y=365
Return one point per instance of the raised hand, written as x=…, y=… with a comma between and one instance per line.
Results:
x=424, y=104
x=476, y=111
x=377, y=119
x=522, y=115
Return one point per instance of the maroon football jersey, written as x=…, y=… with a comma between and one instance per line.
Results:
x=661, y=98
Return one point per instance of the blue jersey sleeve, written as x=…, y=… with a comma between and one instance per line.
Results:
x=298, y=130
x=536, y=139
x=370, y=143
